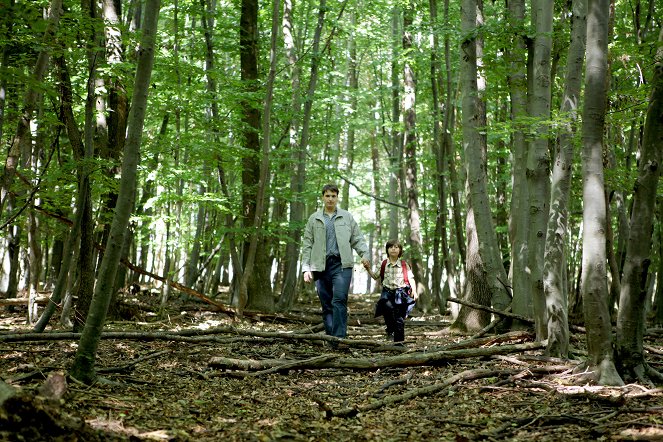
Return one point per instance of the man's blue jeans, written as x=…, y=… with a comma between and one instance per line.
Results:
x=333, y=285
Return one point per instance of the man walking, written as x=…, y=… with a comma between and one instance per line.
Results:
x=329, y=237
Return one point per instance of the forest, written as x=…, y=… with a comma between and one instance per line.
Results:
x=161, y=159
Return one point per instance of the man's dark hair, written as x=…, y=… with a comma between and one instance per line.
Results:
x=394, y=242
x=331, y=187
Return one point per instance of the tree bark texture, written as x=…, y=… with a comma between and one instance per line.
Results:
x=298, y=152
x=555, y=263
x=593, y=282
x=519, y=219
x=631, y=318
x=299, y=177
x=538, y=160
x=410, y=149
x=83, y=368
x=475, y=161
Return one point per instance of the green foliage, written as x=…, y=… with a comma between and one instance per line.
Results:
x=179, y=171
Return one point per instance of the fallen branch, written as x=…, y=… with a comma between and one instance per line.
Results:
x=197, y=335
x=506, y=314
x=402, y=360
x=467, y=375
x=22, y=301
x=521, y=335
x=403, y=380
x=492, y=310
x=295, y=365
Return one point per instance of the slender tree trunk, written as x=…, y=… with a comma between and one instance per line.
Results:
x=299, y=177
x=519, y=220
x=440, y=226
x=594, y=288
x=395, y=153
x=449, y=152
x=475, y=159
x=83, y=367
x=538, y=162
x=259, y=282
x=263, y=300
x=631, y=320
x=31, y=162
x=79, y=152
x=22, y=135
x=410, y=119
x=555, y=262
x=296, y=216
x=114, y=126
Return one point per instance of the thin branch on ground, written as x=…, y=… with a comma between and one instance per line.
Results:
x=467, y=375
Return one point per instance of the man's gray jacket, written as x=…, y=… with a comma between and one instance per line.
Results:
x=348, y=237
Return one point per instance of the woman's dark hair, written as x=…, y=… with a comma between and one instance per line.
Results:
x=394, y=242
x=332, y=187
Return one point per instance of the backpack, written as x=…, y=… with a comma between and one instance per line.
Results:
x=403, y=266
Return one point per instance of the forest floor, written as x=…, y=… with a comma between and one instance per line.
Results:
x=204, y=376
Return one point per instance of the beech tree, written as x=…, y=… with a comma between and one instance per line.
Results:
x=490, y=280
x=83, y=368
x=555, y=280
x=538, y=159
x=600, y=359
x=631, y=320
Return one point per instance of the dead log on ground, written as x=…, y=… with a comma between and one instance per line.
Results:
x=41, y=300
x=402, y=360
x=198, y=335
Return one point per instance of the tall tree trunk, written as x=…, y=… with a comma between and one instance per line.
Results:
x=83, y=367
x=95, y=129
x=555, y=262
x=631, y=320
x=519, y=220
x=298, y=178
x=263, y=300
x=352, y=90
x=31, y=162
x=410, y=119
x=538, y=161
x=111, y=131
x=475, y=159
x=248, y=41
x=449, y=150
x=594, y=288
x=438, y=145
x=395, y=152
x=79, y=153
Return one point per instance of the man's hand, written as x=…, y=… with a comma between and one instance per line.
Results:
x=308, y=277
x=366, y=263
